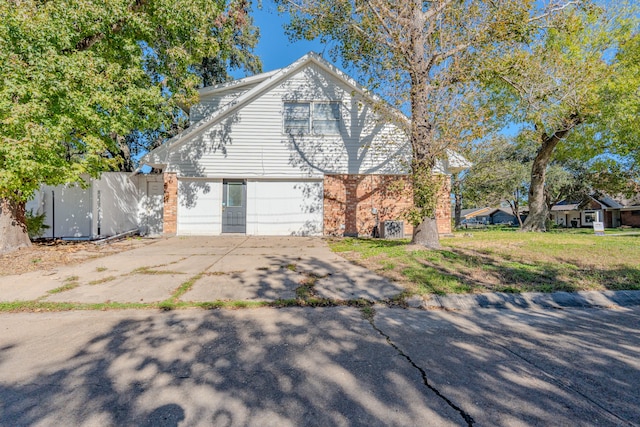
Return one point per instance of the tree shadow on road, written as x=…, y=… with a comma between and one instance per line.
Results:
x=553, y=367
x=325, y=366
x=248, y=367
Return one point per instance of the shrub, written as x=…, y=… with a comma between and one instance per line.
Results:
x=35, y=225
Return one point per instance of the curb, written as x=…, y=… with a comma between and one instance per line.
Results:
x=528, y=300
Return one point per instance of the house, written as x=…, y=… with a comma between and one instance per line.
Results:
x=302, y=150
x=595, y=208
x=505, y=216
x=488, y=215
x=477, y=214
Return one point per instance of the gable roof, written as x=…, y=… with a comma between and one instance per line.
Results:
x=506, y=211
x=609, y=202
x=158, y=157
x=473, y=212
x=605, y=203
x=236, y=84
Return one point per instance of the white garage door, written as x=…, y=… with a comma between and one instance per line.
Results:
x=274, y=207
x=199, y=205
x=284, y=208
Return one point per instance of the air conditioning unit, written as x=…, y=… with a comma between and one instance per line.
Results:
x=392, y=229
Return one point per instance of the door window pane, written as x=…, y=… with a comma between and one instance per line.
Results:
x=234, y=194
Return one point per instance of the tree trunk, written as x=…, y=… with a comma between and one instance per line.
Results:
x=538, y=211
x=13, y=226
x=426, y=234
x=537, y=218
x=422, y=144
x=457, y=194
x=515, y=207
x=122, y=151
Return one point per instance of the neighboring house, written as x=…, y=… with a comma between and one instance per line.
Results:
x=488, y=215
x=303, y=150
x=586, y=212
x=478, y=214
x=505, y=216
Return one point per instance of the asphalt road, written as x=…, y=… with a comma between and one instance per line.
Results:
x=322, y=366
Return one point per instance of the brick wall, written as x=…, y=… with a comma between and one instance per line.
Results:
x=349, y=199
x=443, y=208
x=170, y=219
x=628, y=218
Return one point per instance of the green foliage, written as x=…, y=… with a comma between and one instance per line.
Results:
x=418, y=55
x=551, y=83
x=499, y=173
x=76, y=75
x=617, y=126
x=426, y=186
x=35, y=224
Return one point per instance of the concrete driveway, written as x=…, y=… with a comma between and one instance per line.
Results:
x=228, y=268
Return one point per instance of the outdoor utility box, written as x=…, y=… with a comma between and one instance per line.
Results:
x=392, y=229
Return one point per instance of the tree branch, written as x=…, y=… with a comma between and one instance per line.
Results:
x=398, y=45
x=554, y=9
x=523, y=93
x=89, y=41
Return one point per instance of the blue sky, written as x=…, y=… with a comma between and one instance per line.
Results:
x=274, y=48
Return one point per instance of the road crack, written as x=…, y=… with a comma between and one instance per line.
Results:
x=368, y=315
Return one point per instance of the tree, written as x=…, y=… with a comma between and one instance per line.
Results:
x=499, y=174
x=417, y=52
x=552, y=79
x=502, y=167
x=76, y=76
x=210, y=71
x=616, y=128
x=619, y=122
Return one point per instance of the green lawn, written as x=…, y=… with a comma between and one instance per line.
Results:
x=505, y=261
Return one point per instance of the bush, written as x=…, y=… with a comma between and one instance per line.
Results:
x=35, y=225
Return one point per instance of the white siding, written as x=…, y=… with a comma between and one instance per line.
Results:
x=199, y=207
x=209, y=103
x=250, y=143
x=284, y=208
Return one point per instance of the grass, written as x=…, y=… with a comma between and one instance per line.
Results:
x=103, y=280
x=65, y=287
x=40, y=306
x=475, y=261
x=291, y=267
x=151, y=271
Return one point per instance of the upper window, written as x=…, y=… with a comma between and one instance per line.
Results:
x=297, y=117
x=319, y=118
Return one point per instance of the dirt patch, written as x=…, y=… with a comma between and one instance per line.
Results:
x=49, y=255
